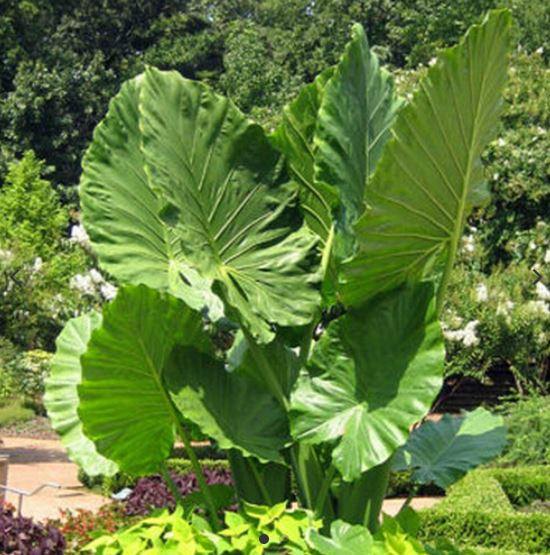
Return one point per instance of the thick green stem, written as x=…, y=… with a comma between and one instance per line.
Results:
x=203, y=486
x=325, y=488
x=410, y=497
x=178, y=497
x=360, y=502
x=261, y=486
x=266, y=371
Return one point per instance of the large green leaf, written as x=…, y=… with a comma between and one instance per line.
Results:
x=294, y=138
x=237, y=224
x=345, y=539
x=227, y=406
x=124, y=406
x=61, y=397
x=443, y=452
x=373, y=374
x=357, y=110
x=121, y=212
x=430, y=174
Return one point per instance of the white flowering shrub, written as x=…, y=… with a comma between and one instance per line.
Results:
x=499, y=321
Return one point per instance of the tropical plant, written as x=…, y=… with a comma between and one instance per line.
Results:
x=323, y=251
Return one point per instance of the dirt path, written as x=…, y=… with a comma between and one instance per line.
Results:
x=35, y=461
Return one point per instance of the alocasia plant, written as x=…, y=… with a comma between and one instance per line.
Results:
x=324, y=248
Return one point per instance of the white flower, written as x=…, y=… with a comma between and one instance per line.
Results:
x=96, y=276
x=547, y=257
x=79, y=235
x=501, y=142
x=432, y=62
x=532, y=245
x=538, y=307
x=6, y=255
x=470, y=338
x=84, y=284
x=495, y=176
x=469, y=243
x=482, y=293
x=108, y=290
x=37, y=264
x=540, y=50
x=542, y=291
x=541, y=130
x=503, y=309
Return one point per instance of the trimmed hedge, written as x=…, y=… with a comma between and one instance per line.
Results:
x=523, y=485
x=516, y=531
x=477, y=491
x=183, y=466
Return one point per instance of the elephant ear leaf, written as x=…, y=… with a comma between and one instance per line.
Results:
x=430, y=174
x=124, y=406
x=61, y=397
x=227, y=406
x=443, y=452
x=294, y=138
x=356, y=113
x=372, y=375
x=237, y=224
x=121, y=211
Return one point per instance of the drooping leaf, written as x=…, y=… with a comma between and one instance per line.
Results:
x=124, y=406
x=357, y=110
x=227, y=406
x=294, y=138
x=121, y=212
x=61, y=397
x=345, y=539
x=236, y=223
x=391, y=539
x=430, y=173
x=373, y=374
x=443, y=452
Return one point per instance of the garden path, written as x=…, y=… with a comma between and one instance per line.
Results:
x=35, y=461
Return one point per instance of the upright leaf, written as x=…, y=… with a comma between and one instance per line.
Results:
x=235, y=221
x=442, y=452
x=121, y=211
x=294, y=138
x=357, y=110
x=124, y=406
x=430, y=174
x=61, y=397
x=374, y=373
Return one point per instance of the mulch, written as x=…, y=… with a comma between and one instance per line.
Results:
x=37, y=428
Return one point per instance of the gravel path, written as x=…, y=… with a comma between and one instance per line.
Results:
x=35, y=461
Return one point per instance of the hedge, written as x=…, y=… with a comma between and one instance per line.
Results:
x=523, y=484
x=517, y=531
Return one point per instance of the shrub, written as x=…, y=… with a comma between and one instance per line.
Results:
x=523, y=485
x=476, y=492
x=484, y=528
x=22, y=536
x=152, y=492
x=81, y=526
x=528, y=422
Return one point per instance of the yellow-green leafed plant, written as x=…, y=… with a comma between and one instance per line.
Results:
x=283, y=291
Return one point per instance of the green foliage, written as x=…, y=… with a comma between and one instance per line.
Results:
x=523, y=484
x=163, y=530
x=442, y=452
x=498, y=321
x=14, y=411
x=522, y=532
x=528, y=422
x=478, y=491
x=194, y=210
x=37, y=262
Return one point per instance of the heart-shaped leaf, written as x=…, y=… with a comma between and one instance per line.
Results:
x=442, y=452
x=374, y=373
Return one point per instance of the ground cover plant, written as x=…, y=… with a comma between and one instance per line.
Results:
x=283, y=291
